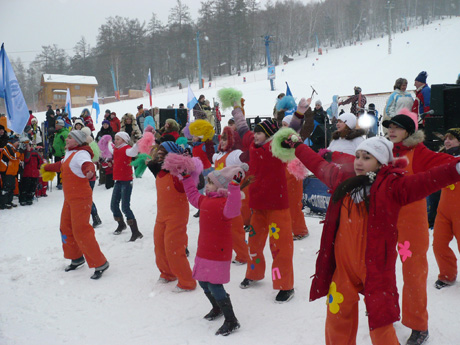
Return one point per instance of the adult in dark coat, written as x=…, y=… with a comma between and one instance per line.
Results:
x=3, y=137
x=105, y=129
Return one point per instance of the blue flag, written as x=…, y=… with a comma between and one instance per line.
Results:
x=68, y=104
x=191, y=99
x=16, y=107
x=288, y=90
x=96, y=105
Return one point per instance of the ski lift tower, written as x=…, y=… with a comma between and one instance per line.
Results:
x=389, y=6
x=271, y=68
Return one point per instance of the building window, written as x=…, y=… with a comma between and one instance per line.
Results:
x=58, y=96
x=77, y=87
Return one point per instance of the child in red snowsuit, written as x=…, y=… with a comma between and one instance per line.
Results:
x=221, y=204
x=357, y=253
x=78, y=238
x=228, y=156
x=29, y=176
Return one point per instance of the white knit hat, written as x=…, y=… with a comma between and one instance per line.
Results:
x=288, y=119
x=349, y=119
x=123, y=135
x=379, y=147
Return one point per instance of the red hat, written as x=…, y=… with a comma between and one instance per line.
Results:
x=141, y=106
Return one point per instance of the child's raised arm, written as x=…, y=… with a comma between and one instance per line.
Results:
x=232, y=207
x=411, y=188
x=192, y=193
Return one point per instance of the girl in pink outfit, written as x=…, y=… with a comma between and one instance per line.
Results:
x=221, y=204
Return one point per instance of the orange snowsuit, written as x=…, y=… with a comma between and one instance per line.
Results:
x=78, y=236
x=238, y=234
x=170, y=232
x=348, y=281
x=413, y=228
x=446, y=226
x=295, y=190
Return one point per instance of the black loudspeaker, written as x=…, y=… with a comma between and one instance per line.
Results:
x=252, y=121
x=452, y=107
x=445, y=99
x=179, y=115
x=445, y=103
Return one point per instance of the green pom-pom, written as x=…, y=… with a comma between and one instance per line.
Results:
x=139, y=164
x=96, y=151
x=283, y=154
x=229, y=96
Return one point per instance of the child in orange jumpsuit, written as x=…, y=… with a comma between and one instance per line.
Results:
x=358, y=243
x=78, y=239
x=413, y=222
x=268, y=198
x=447, y=223
x=170, y=231
x=295, y=174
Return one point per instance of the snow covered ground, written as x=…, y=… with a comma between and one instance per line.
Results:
x=42, y=304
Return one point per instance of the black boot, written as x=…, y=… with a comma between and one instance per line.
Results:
x=197, y=215
x=215, y=311
x=75, y=264
x=231, y=324
x=121, y=225
x=99, y=270
x=96, y=220
x=135, y=233
x=418, y=337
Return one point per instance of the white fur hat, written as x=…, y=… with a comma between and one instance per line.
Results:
x=379, y=147
x=123, y=135
x=349, y=119
x=88, y=134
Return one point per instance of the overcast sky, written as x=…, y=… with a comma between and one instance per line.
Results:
x=27, y=25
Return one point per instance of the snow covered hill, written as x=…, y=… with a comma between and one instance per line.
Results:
x=41, y=304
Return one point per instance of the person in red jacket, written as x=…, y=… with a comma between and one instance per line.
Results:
x=446, y=225
x=357, y=253
x=268, y=198
x=226, y=157
x=170, y=231
x=88, y=121
x=123, y=186
x=413, y=222
x=114, y=122
x=78, y=239
x=221, y=204
x=29, y=176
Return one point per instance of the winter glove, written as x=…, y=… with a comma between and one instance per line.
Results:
x=237, y=178
x=303, y=105
x=326, y=154
x=291, y=142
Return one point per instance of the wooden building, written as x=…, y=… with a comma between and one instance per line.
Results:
x=54, y=89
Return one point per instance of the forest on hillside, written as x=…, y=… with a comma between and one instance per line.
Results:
x=231, y=36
